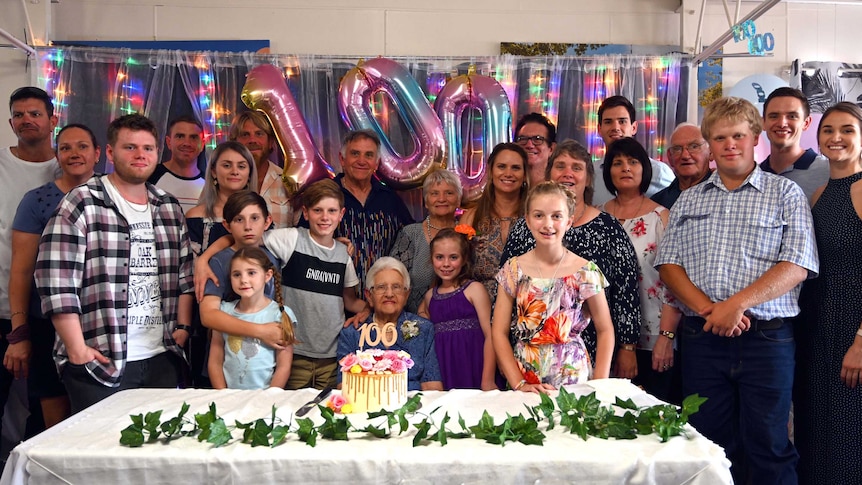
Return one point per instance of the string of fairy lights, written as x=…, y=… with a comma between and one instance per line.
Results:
x=126, y=94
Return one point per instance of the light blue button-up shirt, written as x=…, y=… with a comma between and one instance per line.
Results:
x=726, y=239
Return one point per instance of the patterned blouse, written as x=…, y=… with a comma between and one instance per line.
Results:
x=603, y=241
x=487, y=252
x=412, y=249
x=645, y=233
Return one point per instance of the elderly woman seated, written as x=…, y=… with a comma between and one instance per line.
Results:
x=386, y=287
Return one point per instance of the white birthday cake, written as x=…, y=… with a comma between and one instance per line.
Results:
x=375, y=379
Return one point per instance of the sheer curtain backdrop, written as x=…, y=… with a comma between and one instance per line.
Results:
x=94, y=85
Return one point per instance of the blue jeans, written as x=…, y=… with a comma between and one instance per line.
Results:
x=748, y=381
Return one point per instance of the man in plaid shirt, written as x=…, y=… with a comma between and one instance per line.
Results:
x=737, y=248
x=113, y=262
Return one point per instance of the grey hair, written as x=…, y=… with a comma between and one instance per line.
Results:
x=442, y=176
x=209, y=193
x=387, y=262
x=683, y=125
x=354, y=135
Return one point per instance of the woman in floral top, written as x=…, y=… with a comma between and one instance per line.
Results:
x=501, y=204
x=551, y=311
x=627, y=172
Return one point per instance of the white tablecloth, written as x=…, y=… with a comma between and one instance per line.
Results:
x=85, y=448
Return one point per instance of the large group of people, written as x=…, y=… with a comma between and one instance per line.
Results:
x=737, y=283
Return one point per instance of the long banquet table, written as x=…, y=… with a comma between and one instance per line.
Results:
x=85, y=448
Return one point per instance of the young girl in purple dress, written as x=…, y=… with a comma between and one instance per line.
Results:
x=461, y=311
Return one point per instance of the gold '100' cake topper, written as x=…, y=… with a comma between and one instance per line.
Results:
x=373, y=334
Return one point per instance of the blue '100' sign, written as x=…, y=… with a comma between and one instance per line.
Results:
x=758, y=44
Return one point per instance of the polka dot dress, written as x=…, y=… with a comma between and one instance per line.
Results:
x=828, y=413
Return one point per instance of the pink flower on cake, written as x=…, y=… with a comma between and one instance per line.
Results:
x=391, y=355
x=382, y=365
x=408, y=362
x=348, y=361
x=366, y=364
x=336, y=403
x=398, y=366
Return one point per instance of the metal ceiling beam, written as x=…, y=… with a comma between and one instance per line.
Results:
x=718, y=43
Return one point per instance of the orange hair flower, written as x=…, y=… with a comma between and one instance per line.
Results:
x=466, y=230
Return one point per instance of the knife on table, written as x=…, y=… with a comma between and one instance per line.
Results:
x=314, y=402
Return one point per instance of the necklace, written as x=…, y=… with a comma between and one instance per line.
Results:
x=134, y=206
x=559, y=263
x=619, y=206
x=430, y=226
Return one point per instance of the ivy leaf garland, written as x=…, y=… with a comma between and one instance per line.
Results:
x=584, y=416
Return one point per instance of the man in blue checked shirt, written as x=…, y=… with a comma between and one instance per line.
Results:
x=736, y=250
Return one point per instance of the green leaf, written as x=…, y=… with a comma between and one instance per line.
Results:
x=335, y=429
x=626, y=404
x=307, y=432
x=376, y=432
x=151, y=425
x=691, y=405
x=461, y=423
x=441, y=432
x=206, y=419
x=219, y=434
x=421, y=432
x=580, y=428
x=566, y=400
x=138, y=420
x=279, y=434
x=547, y=408
x=132, y=436
x=260, y=434
x=413, y=403
x=403, y=425
x=619, y=429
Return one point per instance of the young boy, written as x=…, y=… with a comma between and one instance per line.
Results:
x=318, y=280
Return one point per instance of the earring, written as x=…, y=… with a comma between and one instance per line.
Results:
x=215, y=183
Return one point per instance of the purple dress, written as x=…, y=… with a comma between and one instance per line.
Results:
x=458, y=339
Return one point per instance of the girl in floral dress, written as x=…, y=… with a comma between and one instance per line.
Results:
x=551, y=311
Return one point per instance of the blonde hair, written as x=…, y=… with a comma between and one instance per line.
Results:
x=735, y=110
x=257, y=256
x=552, y=188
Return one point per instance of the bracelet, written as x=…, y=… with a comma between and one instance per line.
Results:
x=520, y=384
x=629, y=347
x=16, y=313
x=668, y=334
x=19, y=334
x=187, y=328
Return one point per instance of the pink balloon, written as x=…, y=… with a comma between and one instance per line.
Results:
x=265, y=90
x=456, y=106
x=355, y=94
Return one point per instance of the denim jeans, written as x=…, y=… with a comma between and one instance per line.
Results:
x=748, y=381
x=159, y=371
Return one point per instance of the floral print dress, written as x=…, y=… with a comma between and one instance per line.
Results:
x=645, y=233
x=551, y=316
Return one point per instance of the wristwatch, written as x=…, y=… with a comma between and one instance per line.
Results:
x=669, y=335
x=187, y=328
